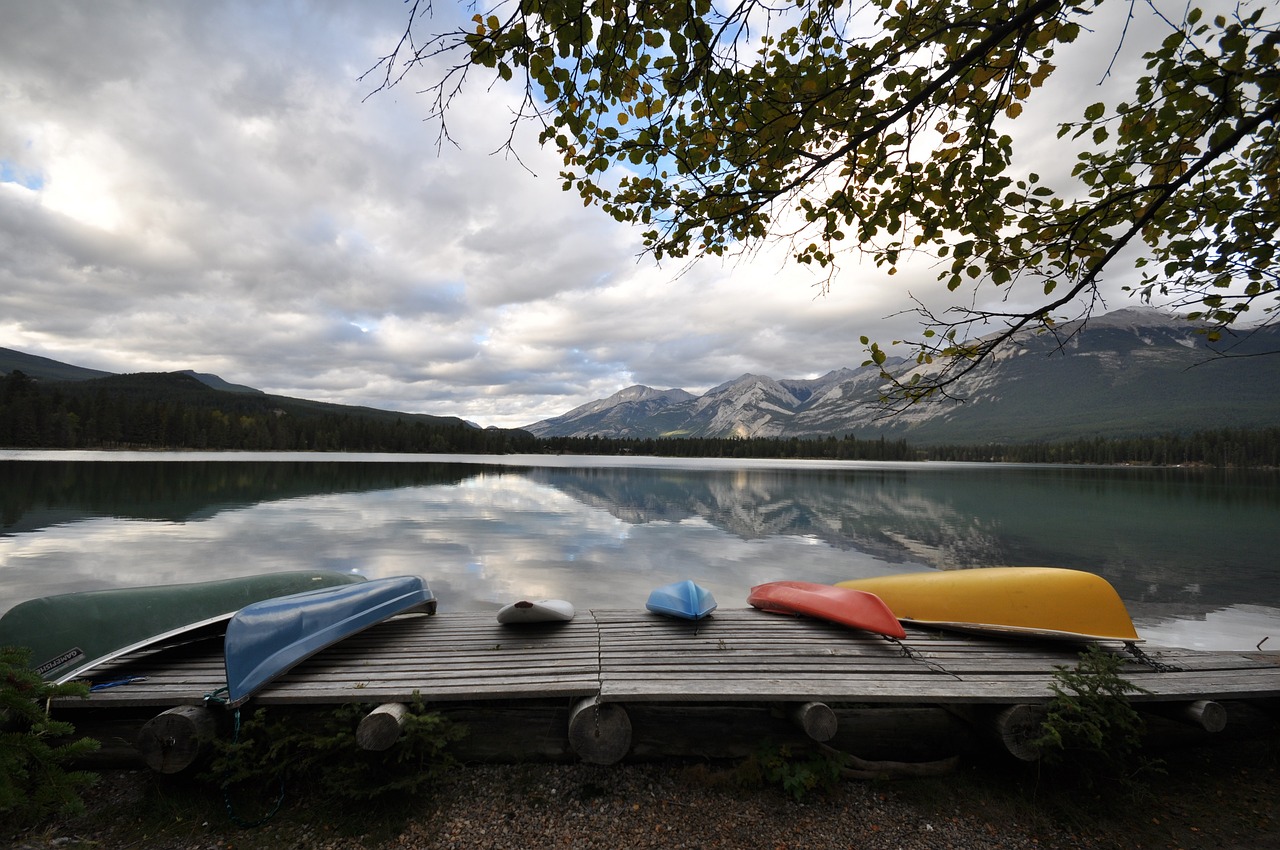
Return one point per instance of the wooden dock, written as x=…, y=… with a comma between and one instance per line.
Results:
x=611, y=662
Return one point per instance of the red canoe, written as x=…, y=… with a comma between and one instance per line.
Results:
x=843, y=605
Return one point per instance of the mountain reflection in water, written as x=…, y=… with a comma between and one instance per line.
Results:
x=1192, y=552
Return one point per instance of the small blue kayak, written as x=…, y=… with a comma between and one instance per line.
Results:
x=683, y=599
x=266, y=639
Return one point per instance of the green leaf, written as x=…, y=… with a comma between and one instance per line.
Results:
x=866, y=140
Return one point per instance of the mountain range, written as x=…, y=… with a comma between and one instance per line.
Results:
x=1132, y=372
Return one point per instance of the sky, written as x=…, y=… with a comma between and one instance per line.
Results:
x=210, y=186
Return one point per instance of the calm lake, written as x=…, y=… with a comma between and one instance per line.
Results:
x=1192, y=552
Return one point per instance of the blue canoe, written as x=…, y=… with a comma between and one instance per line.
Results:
x=72, y=633
x=265, y=640
x=683, y=599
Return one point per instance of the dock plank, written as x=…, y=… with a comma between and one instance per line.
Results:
x=736, y=656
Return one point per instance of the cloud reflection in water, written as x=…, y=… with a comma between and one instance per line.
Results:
x=1175, y=545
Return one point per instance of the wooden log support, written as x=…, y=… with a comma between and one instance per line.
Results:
x=816, y=719
x=600, y=733
x=381, y=728
x=1017, y=727
x=174, y=740
x=907, y=733
x=1203, y=713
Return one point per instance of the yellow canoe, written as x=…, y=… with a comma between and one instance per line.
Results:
x=1040, y=602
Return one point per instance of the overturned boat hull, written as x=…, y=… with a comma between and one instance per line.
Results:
x=267, y=639
x=857, y=609
x=1029, y=602
x=71, y=633
x=536, y=611
x=683, y=600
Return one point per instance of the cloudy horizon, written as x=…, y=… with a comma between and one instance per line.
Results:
x=212, y=187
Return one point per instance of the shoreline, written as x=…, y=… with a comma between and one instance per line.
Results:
x=1223, y=795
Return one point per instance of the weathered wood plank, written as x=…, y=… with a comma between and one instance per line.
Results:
x=737, y=656
x=831, y=689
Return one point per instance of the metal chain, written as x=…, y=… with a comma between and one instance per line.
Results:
x=1142, y=658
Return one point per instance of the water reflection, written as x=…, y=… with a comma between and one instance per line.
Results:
x=1242, y=627
x=37, y=494
x=1188, y=551
x=1165, y=538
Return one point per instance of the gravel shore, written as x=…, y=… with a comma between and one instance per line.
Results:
x=1225, y=798
x=575, y=806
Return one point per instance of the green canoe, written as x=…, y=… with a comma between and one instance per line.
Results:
x=71, y=633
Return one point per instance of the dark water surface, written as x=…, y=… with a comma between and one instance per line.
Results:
x=1192, y=552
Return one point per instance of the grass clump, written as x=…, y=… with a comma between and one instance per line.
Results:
x=799, y=774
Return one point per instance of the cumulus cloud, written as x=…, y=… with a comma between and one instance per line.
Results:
x=209, y=187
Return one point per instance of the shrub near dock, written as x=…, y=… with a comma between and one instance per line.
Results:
x=35, y=748
x=315, y=750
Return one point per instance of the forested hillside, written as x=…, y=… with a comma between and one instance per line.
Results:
x=177, y=411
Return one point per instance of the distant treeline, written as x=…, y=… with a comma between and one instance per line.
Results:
x=1223, y=447
x=178, y=412
x=834, y=448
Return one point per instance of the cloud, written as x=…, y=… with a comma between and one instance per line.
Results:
x=210, y=187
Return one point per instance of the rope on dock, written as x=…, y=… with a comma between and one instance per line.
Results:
x=915, y=655
x=218, y=696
